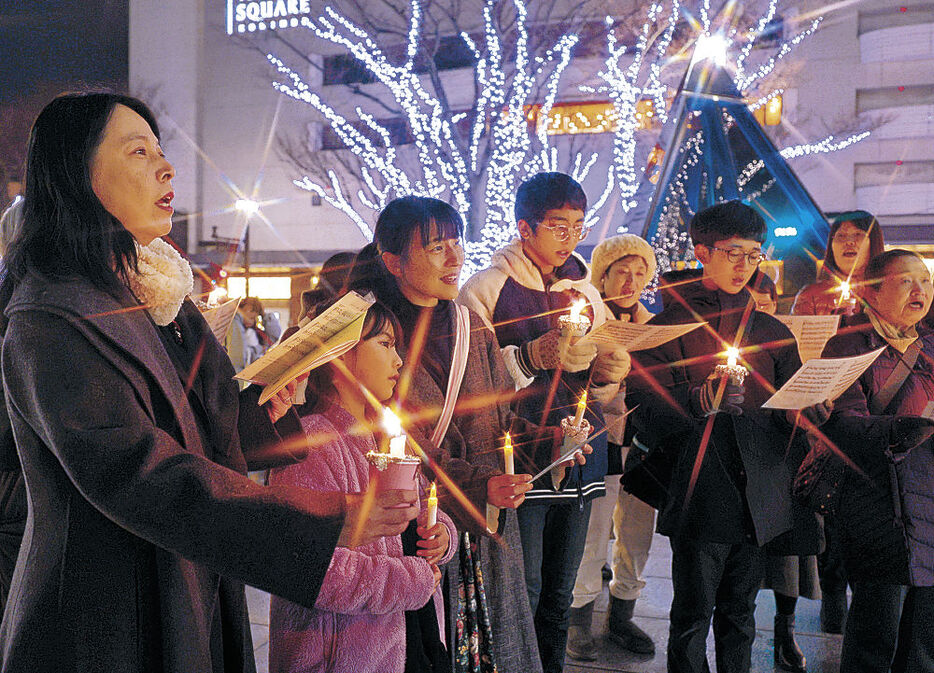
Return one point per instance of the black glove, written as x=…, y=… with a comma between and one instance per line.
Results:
x=704, y=396
x=909, y=432
x=818, y=413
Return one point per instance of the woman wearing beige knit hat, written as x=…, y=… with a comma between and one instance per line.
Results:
x=621, y=267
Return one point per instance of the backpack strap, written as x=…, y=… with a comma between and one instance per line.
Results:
x=456, y=377
x=896, y=379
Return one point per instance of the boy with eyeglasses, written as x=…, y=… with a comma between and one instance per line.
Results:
x=730, y=490
x=533, y=281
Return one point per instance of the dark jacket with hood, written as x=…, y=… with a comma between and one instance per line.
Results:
x=142, y=524
x=741, y=491
x=514, y=299
x=879, y=545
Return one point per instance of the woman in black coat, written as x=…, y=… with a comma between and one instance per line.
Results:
x=886, y=513
x=142, y=524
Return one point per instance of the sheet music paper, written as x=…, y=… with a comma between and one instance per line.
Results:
x=331, y=334
x=812, y=332
x=219, y=318
x=637, y=336
x=821, y=379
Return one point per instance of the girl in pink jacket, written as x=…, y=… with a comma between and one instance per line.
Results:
x=359, y=620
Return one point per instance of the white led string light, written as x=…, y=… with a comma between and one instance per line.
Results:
x=500, y=150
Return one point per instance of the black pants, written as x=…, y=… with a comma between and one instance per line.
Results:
x=830, y=566
x=873, y=633
x=713, y=580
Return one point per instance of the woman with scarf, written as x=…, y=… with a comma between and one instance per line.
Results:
x=855, y=238
x=414, y=264
x=143, y=526
x=886, y=501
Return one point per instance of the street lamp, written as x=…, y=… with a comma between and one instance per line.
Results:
x=249, y=208
x=713, y=47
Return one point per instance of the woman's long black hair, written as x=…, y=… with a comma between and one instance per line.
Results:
x=65, y=230
x=396, y=226
x=861, y=220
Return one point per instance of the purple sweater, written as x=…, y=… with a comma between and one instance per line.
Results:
x=358, y=622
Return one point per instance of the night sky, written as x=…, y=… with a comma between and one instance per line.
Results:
x=49, y=46
x=61, y=41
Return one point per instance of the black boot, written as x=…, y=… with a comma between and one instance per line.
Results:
x=623, y=632
x=581, y=645
x=788, y=655
x=833, y=611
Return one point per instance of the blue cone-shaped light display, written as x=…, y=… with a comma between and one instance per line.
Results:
x=715, y=150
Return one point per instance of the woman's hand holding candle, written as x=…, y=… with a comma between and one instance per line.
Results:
x=846, y=301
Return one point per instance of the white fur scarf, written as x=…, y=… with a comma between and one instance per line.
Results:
x=163, y=281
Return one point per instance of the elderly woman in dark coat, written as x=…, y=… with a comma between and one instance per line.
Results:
x=886, y=514
x=142, y=524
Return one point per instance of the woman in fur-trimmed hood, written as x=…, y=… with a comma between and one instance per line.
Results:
x=143, y=525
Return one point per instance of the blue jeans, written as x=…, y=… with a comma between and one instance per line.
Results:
x=553, y=538
x=877, y=622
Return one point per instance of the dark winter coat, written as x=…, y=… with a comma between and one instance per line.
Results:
x=743, y=486
x=821, y=298
x=876, y=545
x=142, y=526
x=471, y=454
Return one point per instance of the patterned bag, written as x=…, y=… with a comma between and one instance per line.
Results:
x=473, y=644
x=817, y=483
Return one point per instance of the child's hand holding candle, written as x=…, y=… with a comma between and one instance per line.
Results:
x=435, y=538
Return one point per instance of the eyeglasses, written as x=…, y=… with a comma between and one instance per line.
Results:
x=736, y=256
x=563, y=232
x=855, y=237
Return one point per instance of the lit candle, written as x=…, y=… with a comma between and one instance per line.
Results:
x=432, y=506
x=844, y=291
x=581, y=407
x=732, y=368
x=574, y=325
x=216, y=295
x=732, y=353
x=393, y=427
x=507, y=456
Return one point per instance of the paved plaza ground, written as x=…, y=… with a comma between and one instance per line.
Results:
x=822, y=650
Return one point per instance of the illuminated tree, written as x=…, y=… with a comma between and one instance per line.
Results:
x=475, y=156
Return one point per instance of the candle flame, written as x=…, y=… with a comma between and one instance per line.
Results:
x=391, y=423
x=433, y=493
x=216, y=296
x=732, y=354
x=576, y=308
x=581, y=408
x=844, y=290
x=508, y=446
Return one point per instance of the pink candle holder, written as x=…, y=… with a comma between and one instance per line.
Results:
x=389, y=474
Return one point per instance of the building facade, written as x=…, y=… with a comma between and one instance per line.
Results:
x=203, y=66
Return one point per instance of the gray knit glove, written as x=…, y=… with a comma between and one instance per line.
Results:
x=550, y=351
x=704, y=396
